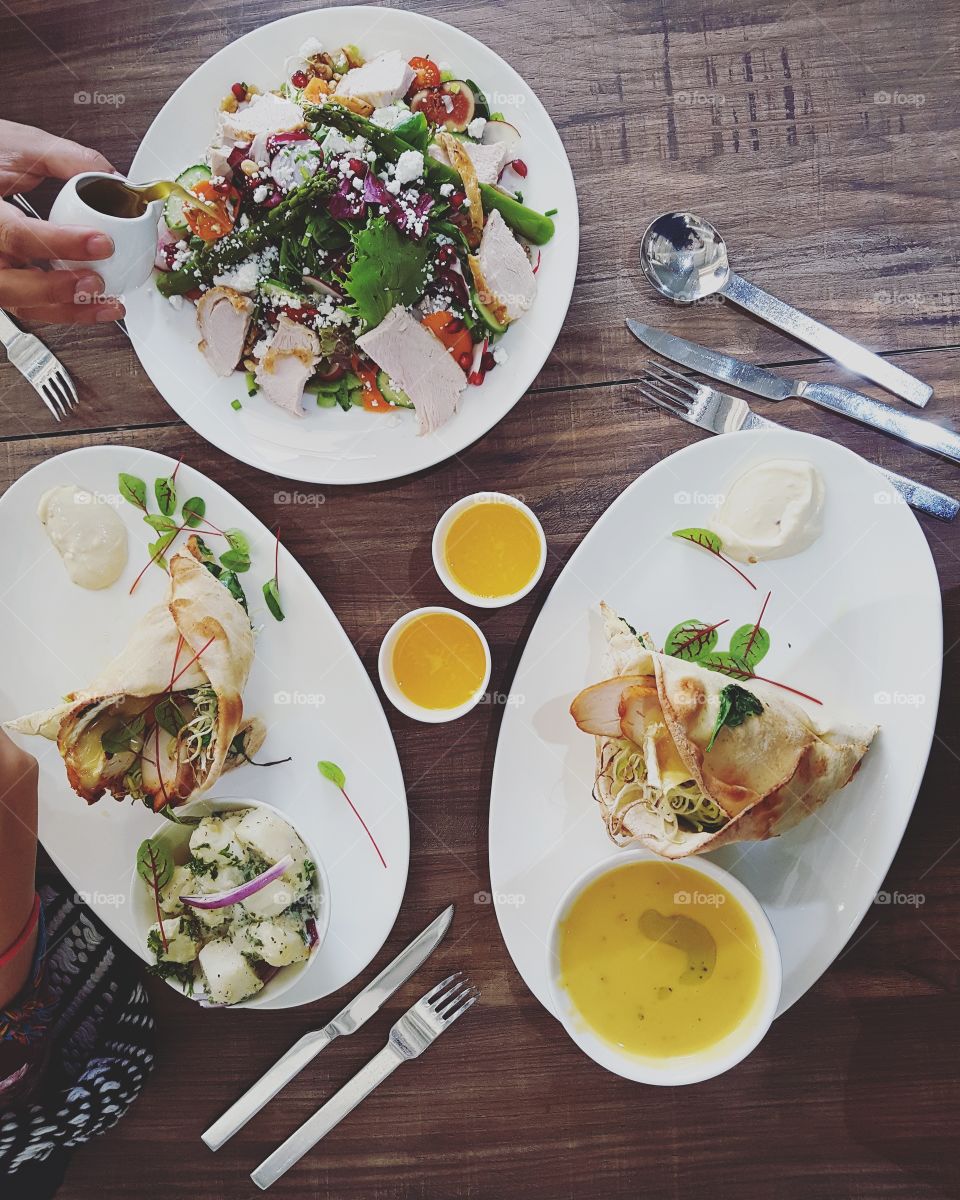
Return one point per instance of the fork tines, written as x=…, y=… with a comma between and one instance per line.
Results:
x=452, y=997
x=672, y=386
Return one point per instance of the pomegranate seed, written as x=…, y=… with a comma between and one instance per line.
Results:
x=465, y=359
x=487, y=362
x=356, y=166
x=454, y=325
x=446, y=256
x=299, y=79
x=457, y=199
x=520, y=167
x=239, y=91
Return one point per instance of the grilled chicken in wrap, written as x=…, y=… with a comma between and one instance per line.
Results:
x=688, y=761
x=165, y=717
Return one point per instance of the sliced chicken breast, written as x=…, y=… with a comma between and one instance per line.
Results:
x=419, y=364
x=380, y=81
x=487, y=160
x=502, y=271
x=288, y=362
x=223, y=318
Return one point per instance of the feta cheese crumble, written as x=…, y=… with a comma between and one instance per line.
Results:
x=409, y=166
x=476, y=127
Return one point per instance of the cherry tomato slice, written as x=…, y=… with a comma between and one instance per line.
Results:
x=428, y=73
x=373, y=398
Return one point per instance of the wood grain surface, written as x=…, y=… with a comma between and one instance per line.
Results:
x=822, y=139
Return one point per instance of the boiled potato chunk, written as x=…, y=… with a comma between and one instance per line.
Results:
x=279, y=942
x=213, y=839
x=270, y=836
x=230, y=978
x=181, y=948
x=180, y=883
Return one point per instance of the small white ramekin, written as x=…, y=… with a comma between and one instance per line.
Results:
x=439, y=559
x=687, y=1068
x=432, y=716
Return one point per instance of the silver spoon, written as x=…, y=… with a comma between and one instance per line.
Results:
x=685, y=259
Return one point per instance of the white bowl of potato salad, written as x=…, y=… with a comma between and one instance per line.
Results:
x=233, y=904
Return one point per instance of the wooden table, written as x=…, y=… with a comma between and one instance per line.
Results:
x=822, y=138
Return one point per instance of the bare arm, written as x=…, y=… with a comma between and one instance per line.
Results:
x=18, y=860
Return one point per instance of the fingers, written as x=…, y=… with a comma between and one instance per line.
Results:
x=32, y=288
x=59, y=158
x=72, y=314
x=25, y=238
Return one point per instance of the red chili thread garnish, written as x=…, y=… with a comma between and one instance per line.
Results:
x=373, y=840
x=182, y=672
x=156, y=897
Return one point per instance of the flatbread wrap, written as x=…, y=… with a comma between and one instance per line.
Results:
x=165, y=718
x=688, y=761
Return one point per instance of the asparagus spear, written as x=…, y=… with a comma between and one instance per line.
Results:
x=530, y=224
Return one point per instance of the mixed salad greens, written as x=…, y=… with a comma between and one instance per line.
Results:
x=370, y=242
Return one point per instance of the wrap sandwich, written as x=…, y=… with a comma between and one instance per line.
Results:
x=688, y=761
x=165, y=718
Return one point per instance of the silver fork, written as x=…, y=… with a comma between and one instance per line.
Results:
x=39, y=366
x=418, y=1028
x=717, y=412
x=21, y=200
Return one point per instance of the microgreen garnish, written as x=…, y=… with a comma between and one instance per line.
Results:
x=331, y=771
x=691, y=639
x=133, y=490
x=271, y=589
x=696, y=641
x=709, y=541
x=736, y=704
x=165, y=490
x=237, y=747
x=193, y=511
x=128, y=737
x=155, y=865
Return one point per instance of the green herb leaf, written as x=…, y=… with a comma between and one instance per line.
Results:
x=233, y=560
x=122, y=738
x=691, y=639
x=207, y=556
x=271, y=593
x=169, y=716
x=750, y=644
x=154, y=863
x=332, y=772
x=193, y=511
x=232, y=584
x=157, y=550
x=386, y=269
x=700, y=537
x=165, y=491
x=159, y=522
x=239, y=541
x=133, y=489
x=736, y=704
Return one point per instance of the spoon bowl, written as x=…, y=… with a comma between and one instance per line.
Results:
x=684, y=257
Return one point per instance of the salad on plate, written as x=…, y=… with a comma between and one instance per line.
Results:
x=370, y=245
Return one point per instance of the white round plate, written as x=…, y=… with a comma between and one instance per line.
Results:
x=854, y=620
x=331, y=446
x=307, y=684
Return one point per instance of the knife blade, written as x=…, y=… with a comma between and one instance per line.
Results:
x=917, y=431
x=360, y=1009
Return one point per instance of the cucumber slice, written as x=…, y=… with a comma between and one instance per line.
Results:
x=487, y=317
x=276, y=290
x=392, y=395
x=173, y=209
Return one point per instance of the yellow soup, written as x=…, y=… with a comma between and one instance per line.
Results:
x=660, y=960
x=438, y=661
x=492, y=549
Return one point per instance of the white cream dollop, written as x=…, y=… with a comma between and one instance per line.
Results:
x=86, y=533
x=771, y=511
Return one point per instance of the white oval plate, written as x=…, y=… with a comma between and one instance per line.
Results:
x=307, y=684
x=854, y=620
x=333, y=446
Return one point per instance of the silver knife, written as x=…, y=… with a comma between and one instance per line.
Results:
x=915, y=430
x=718, y=412
x=359, y=1010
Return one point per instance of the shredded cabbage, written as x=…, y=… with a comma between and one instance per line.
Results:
x=624, y=768
x=196, y=736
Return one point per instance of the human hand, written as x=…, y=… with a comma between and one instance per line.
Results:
x=28, y=156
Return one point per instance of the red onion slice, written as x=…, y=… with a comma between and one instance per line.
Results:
x=242, y=891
